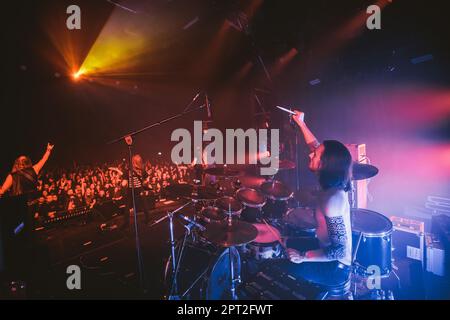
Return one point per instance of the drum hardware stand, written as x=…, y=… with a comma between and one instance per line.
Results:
x=352, y=198
x=128, y=138
x=173, y=295
x=230, y=256
x=355, y=266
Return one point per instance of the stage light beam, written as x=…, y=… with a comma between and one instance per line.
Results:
x=76, y=75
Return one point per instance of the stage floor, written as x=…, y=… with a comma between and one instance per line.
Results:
x=108, y=263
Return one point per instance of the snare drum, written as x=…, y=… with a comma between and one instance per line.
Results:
x=266, y=244
x=278, y=195
x=300, y=222
x=253, y=201
x=372, y=234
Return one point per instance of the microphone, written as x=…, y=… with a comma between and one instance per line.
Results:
x=208, y=107
x=202, y=228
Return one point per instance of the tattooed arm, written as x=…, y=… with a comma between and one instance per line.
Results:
x=337, y=248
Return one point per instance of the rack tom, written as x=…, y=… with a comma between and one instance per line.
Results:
x=278, y=195
x=253, y=201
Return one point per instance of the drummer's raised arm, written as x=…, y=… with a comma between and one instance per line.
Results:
x=310, y=139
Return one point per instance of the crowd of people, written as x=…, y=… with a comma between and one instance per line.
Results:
x=88, y=186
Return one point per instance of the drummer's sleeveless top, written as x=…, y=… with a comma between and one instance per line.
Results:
x=323, y=235
x=24, y=181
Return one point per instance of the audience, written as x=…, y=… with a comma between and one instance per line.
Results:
x=88, y=186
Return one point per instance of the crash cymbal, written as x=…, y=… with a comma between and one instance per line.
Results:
x=222, y=172
x=363, y=171
x=236, y=234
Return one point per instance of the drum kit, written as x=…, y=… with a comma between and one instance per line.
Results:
x=252, y=223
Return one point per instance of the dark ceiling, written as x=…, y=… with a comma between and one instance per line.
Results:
x=80, y=118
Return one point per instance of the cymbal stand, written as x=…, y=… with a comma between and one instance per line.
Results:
x=173, y=295
x=233, y=278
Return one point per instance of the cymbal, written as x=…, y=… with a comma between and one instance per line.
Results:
x=363, y=171
x=236, y=234
x=222, y=172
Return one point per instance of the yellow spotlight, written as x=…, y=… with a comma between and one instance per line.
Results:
x=76, y=75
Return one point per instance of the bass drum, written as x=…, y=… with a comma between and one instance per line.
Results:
x=372, y=235
x=204, y=273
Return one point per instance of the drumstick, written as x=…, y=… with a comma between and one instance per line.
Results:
x=286, y=110
x=275, y=235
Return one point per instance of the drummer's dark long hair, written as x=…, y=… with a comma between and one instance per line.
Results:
x=336, y=164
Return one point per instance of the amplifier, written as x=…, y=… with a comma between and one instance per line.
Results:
x=435, y=255
x=408, y=239
x=441, y=228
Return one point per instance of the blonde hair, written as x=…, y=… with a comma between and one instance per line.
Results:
x=21, y=163
x=137, y=163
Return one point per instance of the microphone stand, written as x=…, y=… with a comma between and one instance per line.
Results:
x=129, y=141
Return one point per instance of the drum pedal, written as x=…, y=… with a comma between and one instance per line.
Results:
x=281, y=286
x=267, y=295
x=265, y=276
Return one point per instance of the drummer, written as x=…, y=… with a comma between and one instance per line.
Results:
x=328, y=261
